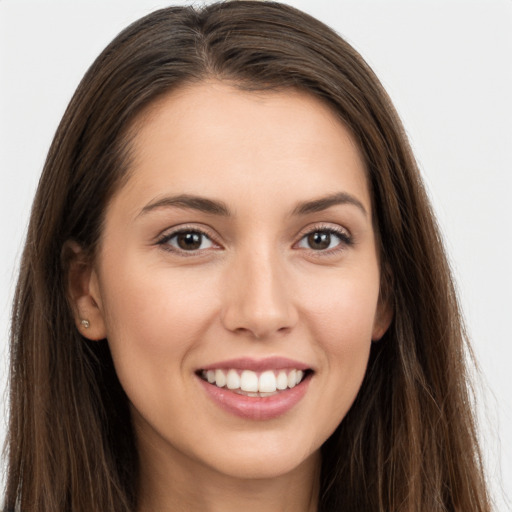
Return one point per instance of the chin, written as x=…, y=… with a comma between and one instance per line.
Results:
x=264, y=465
x=263, y=455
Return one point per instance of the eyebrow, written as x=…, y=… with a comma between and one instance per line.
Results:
x=326, y=202
x=190, y=202
x=215, y=207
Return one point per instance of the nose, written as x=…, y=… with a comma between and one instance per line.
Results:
x=257, y=299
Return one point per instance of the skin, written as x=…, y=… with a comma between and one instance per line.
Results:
x=255, y=288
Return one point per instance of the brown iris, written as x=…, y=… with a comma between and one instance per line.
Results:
x=189, y=241
x=319, y=240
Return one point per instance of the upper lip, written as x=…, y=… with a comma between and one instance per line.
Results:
x=257, y=365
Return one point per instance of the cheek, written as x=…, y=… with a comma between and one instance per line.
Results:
x=344, y=332
x=155, y=319
x=153, y=314
x=342, y=319
x=343, y=309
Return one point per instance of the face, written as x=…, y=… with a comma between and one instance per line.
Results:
x=237, y=280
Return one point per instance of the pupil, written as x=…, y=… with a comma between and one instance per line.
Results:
x=319, y=240
x=189, y=241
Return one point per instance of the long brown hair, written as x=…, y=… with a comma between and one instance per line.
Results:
x=409, y=441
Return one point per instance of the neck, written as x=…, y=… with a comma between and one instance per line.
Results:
x=180, y=484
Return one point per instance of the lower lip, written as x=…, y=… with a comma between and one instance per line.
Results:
x=256, y=408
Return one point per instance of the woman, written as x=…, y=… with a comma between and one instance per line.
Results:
x=233, y=291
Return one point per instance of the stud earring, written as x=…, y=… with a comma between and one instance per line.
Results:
x=85, y=323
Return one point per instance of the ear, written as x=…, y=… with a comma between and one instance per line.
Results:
x=383, y=319
x=84, y=292
x=385, y=310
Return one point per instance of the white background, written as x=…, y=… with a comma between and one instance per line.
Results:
x=446, y=64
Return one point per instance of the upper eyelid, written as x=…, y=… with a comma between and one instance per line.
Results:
x=184, y=228
x=324, y=226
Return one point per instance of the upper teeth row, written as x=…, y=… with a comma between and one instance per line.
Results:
x=247, y=380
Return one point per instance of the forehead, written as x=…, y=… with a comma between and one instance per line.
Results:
x=214, y=139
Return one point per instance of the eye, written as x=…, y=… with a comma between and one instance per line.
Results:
x=324, y=239
x=187, y=240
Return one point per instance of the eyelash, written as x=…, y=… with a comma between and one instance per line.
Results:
x=164, y=240
x=345, y=240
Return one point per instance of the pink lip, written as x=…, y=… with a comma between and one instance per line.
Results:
x=257, y=365
x=256, y=408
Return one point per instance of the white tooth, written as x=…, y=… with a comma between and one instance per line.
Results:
x=292, y=378
x=233, y=380
x=282, y=380
x=249, y=381
x=300, y=375
x=210, y=376
x=220, y=378
x=267, y=383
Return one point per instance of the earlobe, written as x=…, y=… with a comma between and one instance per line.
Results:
x=83, y=292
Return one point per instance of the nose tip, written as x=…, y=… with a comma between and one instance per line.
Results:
x=259, y=324
x=258, y=302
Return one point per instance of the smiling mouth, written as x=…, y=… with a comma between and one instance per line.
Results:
x=254, y=384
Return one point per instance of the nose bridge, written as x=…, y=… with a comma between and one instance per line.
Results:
x=258, y=297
